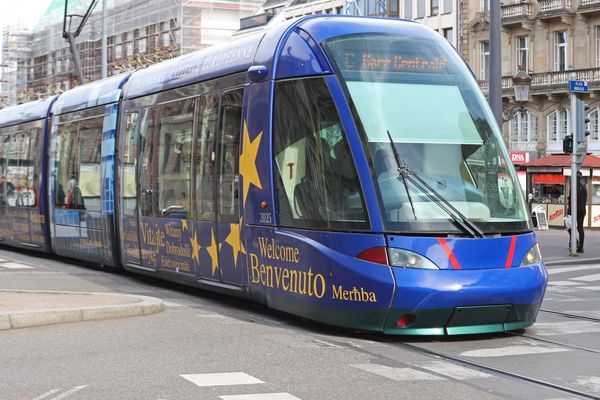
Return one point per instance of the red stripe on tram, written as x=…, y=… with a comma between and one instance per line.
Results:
x=511, y=252
x=449, y=253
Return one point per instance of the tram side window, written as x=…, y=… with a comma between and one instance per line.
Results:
x=3, y=167
x=32, y=168
x=147, y=165
x=129, y=160
x=85, y=193
x=175, y=124
x=19, y=169
x=66, y=163
x=229, y=155
x=78, y=155
x=317, y=185
x=208, y=111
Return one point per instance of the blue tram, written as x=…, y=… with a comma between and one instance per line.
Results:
x=344, y=169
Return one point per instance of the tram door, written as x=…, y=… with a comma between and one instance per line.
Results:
x=229, y=220
x=217, y=186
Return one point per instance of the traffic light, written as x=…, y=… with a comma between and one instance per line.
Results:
x=581, y=121
x=568, y=144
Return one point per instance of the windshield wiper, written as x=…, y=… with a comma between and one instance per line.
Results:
x=459, y=218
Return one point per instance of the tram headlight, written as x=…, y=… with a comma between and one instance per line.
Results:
x=408, y=259
x=533, y=256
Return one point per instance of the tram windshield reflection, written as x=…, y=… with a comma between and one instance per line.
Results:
x=420, y=91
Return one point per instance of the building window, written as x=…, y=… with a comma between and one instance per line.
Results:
x=522, y=43
x=558, y=125
x=420, y=8
x=408, y=10
x=485, y=5
x=484, y=61
x=524, y=128
x=339, y=10
x=593, y=126
x=448, y=5
x=598, y=46
x=449, y=35
x=560, y=51
x=434, y=8
x=142, y=45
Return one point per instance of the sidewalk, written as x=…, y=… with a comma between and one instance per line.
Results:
x=554, y=247
x=23, y=308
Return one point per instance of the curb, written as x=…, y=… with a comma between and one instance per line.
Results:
x=573, y=261
x=143, y=305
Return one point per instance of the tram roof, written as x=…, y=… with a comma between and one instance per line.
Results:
x=91, y=94
x=21, y=113
x=262, y=48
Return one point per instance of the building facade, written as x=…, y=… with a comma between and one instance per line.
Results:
x=139, y=33
x=551, y=39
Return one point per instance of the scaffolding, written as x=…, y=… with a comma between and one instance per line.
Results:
x=139, y=33
x=14, y=72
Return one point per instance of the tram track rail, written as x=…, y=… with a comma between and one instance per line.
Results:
x=572, y=316
x=494, y=370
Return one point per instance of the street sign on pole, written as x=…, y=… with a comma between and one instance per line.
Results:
x=576, y=86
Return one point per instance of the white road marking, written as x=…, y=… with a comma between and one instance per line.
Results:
x=587, y=278
x=565, y=328
x=12, y=265
x=398, y=374
x=261, y=396
x=564, y=283
x=3, y=260
x=553, y=271
x=221, y=379
x=591, y=287
x=512, y=351
x=301, y=342
x=452, y=370
x=48, y=393
x=69, y=392
x=590, y=382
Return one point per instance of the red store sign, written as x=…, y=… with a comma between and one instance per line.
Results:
x=519, y=157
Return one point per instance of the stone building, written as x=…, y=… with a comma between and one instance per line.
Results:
x=552, y=39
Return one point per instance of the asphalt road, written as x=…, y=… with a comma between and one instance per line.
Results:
x=206, y=346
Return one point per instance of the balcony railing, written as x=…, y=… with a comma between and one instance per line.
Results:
x=520, y=9
x=584, y=3
x=553, y=5
x=549, y=80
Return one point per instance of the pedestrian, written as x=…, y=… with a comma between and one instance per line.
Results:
x=581, y=211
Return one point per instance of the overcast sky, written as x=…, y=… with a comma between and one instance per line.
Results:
x=25, y=11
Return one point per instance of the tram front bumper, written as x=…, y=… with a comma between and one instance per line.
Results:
x=451, y=302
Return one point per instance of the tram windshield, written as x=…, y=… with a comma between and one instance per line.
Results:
x=424, y=117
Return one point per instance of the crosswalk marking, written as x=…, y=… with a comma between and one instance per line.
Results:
x=452, y=370
x=512, y=351
x=561, y=328
x=48, y=393
x=587, y=278
x=261, y=396
x=590, y=382
x=13, y=265
x=2, y=259
x=553, y=271
x=563, y=283
x=69, y=392
x=221, y=379
x=591, y=287
x=398, y=374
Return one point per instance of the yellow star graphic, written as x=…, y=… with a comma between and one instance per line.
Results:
x=195, y=248
x=234, y=241
x=184, y=225
x=248, y=169
x=213, y=252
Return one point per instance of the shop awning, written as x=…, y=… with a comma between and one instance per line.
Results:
x=563, y=160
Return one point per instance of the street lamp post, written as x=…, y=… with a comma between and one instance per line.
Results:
x=521, y=84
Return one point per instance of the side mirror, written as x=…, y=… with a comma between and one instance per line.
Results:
x=257, y=73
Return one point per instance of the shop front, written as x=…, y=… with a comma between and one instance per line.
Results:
x=548, y=187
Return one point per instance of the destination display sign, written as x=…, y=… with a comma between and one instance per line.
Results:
x=362, y=60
